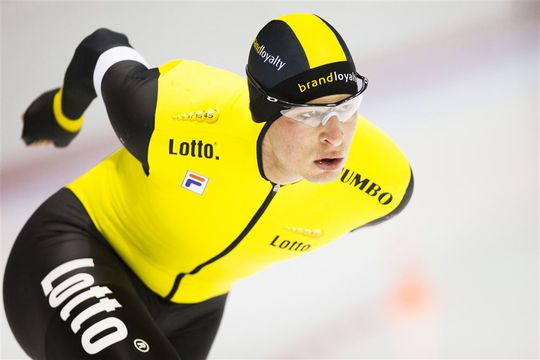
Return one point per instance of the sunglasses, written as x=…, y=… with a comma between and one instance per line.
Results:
x=315, y=114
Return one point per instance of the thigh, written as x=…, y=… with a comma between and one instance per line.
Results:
x=67, y=294
x=191, y=328
x=194, y=343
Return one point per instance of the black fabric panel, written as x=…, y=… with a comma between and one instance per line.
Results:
x=278, y=39
x=261, y=109
x=78, y=89
x=129, y=91
x=398, y=209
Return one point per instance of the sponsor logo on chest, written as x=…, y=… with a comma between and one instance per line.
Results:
x=290, y=245
x=280, y=242
x=314, y=233
x=193, y=148
x=209, y=116
x=366, y=185
x=195, y=182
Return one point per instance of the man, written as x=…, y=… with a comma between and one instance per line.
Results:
x=218, y=178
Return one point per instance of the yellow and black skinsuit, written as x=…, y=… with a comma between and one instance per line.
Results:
x=185, y=203
x=192, y=246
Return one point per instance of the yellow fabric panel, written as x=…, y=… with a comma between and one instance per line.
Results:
x=115, y=209
x=318, y=40
x=67, y=124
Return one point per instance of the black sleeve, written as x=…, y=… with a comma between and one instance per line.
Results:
x=398, y=209
x=129, y=92
x=128, y=88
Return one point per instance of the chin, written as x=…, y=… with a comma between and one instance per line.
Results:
x=324, y=177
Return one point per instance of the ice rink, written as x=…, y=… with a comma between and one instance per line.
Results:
x=455, y=84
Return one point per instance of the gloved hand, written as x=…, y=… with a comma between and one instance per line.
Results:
x=40, y=124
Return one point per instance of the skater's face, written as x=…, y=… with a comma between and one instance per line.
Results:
x=293, y=151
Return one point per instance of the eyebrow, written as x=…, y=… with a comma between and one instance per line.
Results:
x=340, y=97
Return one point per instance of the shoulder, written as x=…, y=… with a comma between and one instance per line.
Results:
x=375, y=152
x=377, y=167
x=188, y=83
x=188, y=72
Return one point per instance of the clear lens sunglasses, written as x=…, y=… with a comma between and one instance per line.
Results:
x=315, y=114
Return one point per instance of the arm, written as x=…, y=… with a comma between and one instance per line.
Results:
x=104, y=64
x=398, y=209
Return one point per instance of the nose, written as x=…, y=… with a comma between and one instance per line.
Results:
x=332, y=132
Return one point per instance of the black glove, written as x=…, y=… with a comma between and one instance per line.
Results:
x=39, y=122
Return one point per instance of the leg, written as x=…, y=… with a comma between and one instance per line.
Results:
x=67, y=296
x=191, y=328
x=195, y=343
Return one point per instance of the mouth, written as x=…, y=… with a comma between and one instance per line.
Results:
x=330, y=163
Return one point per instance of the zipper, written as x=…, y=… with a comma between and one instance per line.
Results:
x=247, y=229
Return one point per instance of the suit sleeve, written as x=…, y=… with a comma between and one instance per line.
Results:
x=105, y=65
x=404, y=201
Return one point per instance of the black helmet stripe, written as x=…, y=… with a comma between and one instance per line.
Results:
x=276, y=54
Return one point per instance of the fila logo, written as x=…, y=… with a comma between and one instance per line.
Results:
x=92, y=339
x=195, y=182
